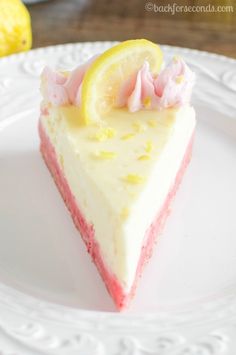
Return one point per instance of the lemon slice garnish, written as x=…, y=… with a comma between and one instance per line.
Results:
x=103, y=80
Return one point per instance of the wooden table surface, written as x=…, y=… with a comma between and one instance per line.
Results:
x=64, y=21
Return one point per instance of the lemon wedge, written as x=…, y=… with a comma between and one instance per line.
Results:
x=103, y=79
x=15, y=27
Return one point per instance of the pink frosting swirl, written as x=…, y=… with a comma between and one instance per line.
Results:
x=171, y=88
x=64, y=90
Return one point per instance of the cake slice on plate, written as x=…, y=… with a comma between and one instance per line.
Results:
x=116, y=134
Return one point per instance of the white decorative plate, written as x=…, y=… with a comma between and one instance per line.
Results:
x=52, y=300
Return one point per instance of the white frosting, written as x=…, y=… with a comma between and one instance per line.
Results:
x=98, y=185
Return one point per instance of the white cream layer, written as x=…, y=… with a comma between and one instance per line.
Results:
x=121, y=212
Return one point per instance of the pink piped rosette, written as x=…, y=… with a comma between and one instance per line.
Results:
x=172, y=87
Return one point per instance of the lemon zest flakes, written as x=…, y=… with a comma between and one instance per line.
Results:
x=148, y=146
x=66, y=73
x=102, y=134
x=139, y=127
x=105, y=155
x=134, y=179
x=176, y=58
x=152, y=123
x=124, y=213
x=179, y=79
x=147, y=102
x=127, y=136
x=144, y=157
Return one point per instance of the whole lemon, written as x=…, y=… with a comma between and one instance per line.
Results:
x=15, y=27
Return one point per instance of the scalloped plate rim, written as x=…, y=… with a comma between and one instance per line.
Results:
x=33, y=304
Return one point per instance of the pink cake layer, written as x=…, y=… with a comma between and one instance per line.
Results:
x=117, y=292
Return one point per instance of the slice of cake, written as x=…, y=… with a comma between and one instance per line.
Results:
x=116, y=134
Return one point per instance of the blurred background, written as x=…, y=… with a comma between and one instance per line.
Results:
x=63, y=21
x=203, y=24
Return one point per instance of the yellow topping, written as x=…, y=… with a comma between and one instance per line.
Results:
x=152, y=123
x=179, y=79
x=139, y=127
x=127, y=136
x=147, y=102
x=105, y=155
x=103, y=134
x=134, y=179
x=144, y=157
x=148, y=146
